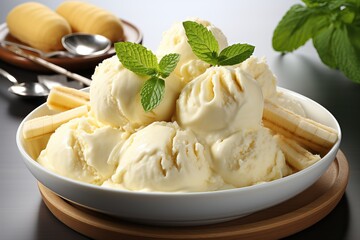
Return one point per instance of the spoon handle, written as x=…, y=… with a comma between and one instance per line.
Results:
x=37, y=51
x=10, y=77
x=50, y=65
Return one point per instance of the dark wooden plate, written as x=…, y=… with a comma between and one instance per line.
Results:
x=131, y=32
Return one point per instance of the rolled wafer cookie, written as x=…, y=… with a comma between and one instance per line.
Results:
x=313, y=135
x=295, y=155
x=65, y=98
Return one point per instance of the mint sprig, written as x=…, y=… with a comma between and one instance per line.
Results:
x=202, y=42
x=333, y=26
x=234, y=54
x=144, y=62
x=152, y=93
x=137, y=58
x=205, y=46
x=168, y=63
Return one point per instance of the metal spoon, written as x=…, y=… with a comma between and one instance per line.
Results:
x=37, y=51
x=86, y=44
x=76, y=44
x=50, y=65
x=25, y=89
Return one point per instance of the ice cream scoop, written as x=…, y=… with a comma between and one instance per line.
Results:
x=80, y=150
x=115, y=96
x=175, y=40
x=162, y=157
x=220, y=102
x=248, y=157
x=260, y=71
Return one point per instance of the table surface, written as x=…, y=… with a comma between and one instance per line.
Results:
x=23, y=215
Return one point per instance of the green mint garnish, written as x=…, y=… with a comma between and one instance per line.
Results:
x=168, y=63
x=205, y=46
x=137, y=58
x=142, y=61
x=234, y=54
x=152, y=93
x=202, y=42
x=333, y=26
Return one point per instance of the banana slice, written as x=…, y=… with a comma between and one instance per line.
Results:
x=47, y=124
x=65, y=98
x=296, y=156
x=307, y=132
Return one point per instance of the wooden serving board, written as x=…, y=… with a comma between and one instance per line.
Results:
x=282, y=220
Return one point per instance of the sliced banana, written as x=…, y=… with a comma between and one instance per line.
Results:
x=296, y=156
x=47, y=124
x=315, y=136
x=65, y=98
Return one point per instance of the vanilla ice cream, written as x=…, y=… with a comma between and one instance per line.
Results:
x=206, y=134
x=80, y=149
x=220, y=102
x=260, y=71
x=115, y=96
x=248, y=157
x=175, y=41
x=162, y=157
x=288, y=103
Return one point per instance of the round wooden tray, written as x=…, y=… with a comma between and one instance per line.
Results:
x=131, y=32
x=282, y=220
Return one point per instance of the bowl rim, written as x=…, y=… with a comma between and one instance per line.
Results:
x=256, y=187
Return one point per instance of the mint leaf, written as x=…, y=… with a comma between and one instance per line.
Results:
x=235, y=54
x=296, y=27
x=346, y=15
x=136, y=58
x=142, y=61
x=202, y=42
x=152, y=93
x=205, y=46
x=168, y=63
x=345, y=54
x=333, y=25
x=323, y=44
x=354, y=35
x=315, y=3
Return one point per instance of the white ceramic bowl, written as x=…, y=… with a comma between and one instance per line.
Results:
x=185, y=208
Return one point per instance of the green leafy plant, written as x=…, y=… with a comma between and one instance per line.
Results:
x=333, y=26
x=142, y=61
x=205, y=46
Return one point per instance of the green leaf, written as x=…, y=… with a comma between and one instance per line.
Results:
x=202, y=42
x=297, y=26
x=330, y=4
x=347, y=15
x=152, y=93
x=323, y=44
x=337, y=4
x=345, y=54
x=136, y=58
x=168, y=64
x=235, y=54
x=315, y=3
x=354, y=35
